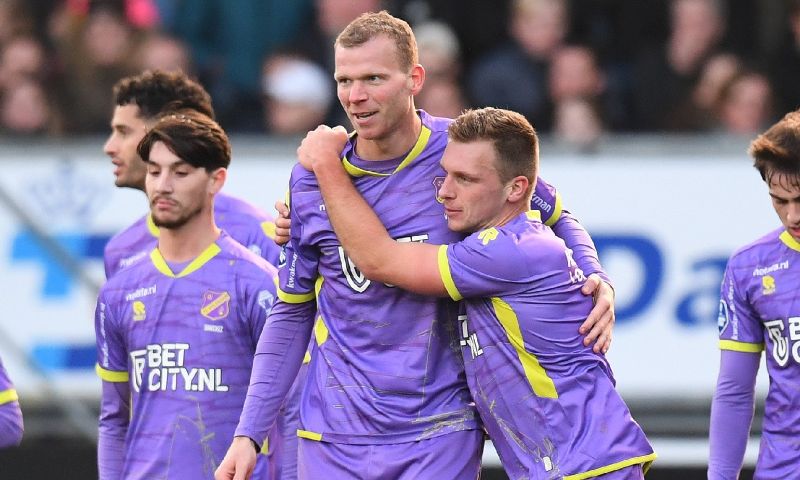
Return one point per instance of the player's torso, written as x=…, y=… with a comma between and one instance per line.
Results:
x=388, y=367
x=190, y=349
x=770, y=277
x=533, y=380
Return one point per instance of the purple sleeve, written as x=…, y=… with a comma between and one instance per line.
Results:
x=278, y=357
x=731, y=413
x=578, y=240
x=10, y=424
x=112, y=427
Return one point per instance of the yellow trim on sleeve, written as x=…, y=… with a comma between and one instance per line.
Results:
x=538, y=379
x=447, y=278
x=295, y=297
x=317, y=437
x=111, y=375
x=557, y=209
x=161, y=264
x=268, y=228
x=644, y=460
x=735, y=346
x=8, y=396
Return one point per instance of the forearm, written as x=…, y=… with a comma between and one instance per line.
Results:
x=578, y=240
x=11, y=427
x=278, y=356
x=357, y=227
x=112, y=428
x=731, y=413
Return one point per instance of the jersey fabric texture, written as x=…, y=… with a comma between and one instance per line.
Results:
x=547, y=401
x=184, y=342
x=760, y=310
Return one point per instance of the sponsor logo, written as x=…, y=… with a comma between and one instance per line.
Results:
x=768, y=282
x=216, y=305
x=723, y=318
x=437, y=185
x=141, y=292
x=161, y=367
x=139, y=312
x=761, y=271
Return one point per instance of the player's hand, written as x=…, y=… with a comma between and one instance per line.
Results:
x=600, y=322
x=324, y=143
x=282, y=224
x=239, y=461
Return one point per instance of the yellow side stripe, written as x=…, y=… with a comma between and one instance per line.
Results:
x=8, y=396
x=265, y=447
x=307, y=357
x=295, y=297
x=320, y=332
x=538, y=379
x=741, y=346
x=111, y=375
x=317, y=437
x=447, y=277
x=644, y=460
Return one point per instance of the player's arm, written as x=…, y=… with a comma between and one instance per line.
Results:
x=410, y=266
x=278, y=356
x=115, y=397
x=11, y=427
x=734, y=397
x=600, y=322
x=732, y=413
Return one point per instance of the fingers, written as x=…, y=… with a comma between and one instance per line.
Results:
x=282, y=209
x=592, y=284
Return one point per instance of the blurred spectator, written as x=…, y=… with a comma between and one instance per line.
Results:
x=21, y=58
x=229, y=41
x=159, y=51
x=439, y=54
x=538, y=28
x=666, y=75
x=298, y=94
x=784, y=65
x=26, y=110
x=15, y=19
x=745, y=104
x=98, y=50
x=578, y=123
x=700, y=114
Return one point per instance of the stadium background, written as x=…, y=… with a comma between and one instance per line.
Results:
x=665, y=204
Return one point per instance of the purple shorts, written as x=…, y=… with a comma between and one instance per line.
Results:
x=455, y=456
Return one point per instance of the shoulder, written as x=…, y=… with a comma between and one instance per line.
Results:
x=764, y=248
x=137, y=228
x=224, y=203
x=230, y=249
x=437, y=125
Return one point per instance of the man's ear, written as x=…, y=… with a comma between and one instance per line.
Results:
x=416, y=79
x=518, y=188
x=217, y=180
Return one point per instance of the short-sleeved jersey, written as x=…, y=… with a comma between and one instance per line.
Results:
x=760, y=310
x=547, y=401
x=386, y=366
x=244, y=222
x=184, y=342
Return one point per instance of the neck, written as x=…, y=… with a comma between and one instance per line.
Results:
x=510, y=212
x=397, y=143
x=190, y=240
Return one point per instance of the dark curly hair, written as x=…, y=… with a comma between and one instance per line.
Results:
x=155, y=92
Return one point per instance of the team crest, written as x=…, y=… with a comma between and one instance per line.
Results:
x=216, y=305
x=138, y=311
x=437, y=185
x=768, y=282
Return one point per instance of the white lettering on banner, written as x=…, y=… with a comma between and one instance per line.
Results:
x=166, y=370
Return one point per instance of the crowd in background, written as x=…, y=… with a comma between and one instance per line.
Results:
x=575, y=68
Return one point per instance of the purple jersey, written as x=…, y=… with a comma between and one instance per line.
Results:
x=244, y=222
x=547, y=401
x=385, y=366
x=184, y=343
x=760, y=310
x=10, y=414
